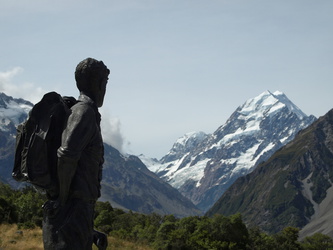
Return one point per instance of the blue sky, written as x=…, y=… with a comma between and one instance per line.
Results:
x=176, y=66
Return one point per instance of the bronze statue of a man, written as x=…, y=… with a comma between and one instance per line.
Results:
x=68, y=220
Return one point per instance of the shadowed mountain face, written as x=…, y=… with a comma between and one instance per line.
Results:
x=128, y=184
x=292, y=188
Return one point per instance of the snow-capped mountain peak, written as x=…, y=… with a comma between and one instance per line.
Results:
x=203, y=167
x=188, y=136
x=291, y=106
x=12, y=111
x=269, y=103
x=184, y=144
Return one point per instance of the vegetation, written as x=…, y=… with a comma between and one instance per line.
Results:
x=21, y=239
x=23, y=207
x=129, y=230
x=31, y=239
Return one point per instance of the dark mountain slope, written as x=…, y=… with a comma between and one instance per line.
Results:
x=288, y=188
x=127, y=183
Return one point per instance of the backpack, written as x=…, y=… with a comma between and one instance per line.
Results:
x=38, y=139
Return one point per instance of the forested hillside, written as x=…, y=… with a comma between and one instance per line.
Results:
x=24, y=208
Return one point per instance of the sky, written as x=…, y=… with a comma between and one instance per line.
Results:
x=177, y=66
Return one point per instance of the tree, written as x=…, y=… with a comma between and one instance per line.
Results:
x=7, y=211
x=164, y=235
x=146, y=230
x=229, y=230
x=103, y=221
x=317, y=241
x=287, y=238
x=260, y=241
x=201, y=237
x=102, y=206
x=103, y=216
x=180, y=238
x=29, y=207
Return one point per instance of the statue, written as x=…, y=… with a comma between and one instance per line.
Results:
x=68, y=218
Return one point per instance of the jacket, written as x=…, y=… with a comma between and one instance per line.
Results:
x=80, y=156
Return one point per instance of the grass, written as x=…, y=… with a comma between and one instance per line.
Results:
x=12, y=238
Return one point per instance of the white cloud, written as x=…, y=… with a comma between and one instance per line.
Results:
x=111, y=131
x=111, y=127
x=27, y=90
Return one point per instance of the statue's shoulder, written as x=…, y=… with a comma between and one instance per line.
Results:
x=83, y=109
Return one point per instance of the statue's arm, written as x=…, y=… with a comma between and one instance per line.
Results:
x=75, y=137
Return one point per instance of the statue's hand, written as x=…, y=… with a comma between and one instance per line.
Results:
x=51, y=208
x=100, y=240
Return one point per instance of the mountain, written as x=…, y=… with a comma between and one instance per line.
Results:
x=292, y=188
x=202, y=166
x=127, y=183
x=12, y=112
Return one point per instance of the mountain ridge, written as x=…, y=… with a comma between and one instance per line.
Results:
x=128, y=184
x=292, y=188
x=252, y=133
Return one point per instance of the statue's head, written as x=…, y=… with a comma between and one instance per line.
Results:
x=91, y=78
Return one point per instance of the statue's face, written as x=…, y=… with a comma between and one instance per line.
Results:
x=101, y=92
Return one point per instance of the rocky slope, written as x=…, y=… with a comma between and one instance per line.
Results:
x=292, y=188
x=128, y=184
x=203, y=166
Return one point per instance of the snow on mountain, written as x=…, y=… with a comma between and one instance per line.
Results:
x=154, y=164
x=12, y=112
x=203, y=166
x=183, y=145
x=171, y=162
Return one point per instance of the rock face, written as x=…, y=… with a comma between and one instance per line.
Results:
x=202, y=166
x=127, y=183
x=292, y=188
